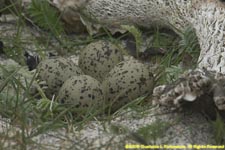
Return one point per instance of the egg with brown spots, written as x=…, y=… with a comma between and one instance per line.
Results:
x=98, y=58
x=55, y=71
x=127, y=81
x=82, y=92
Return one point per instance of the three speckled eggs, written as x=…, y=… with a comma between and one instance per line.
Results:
x=101, y=77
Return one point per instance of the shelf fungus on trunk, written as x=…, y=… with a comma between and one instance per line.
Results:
x=198, y=89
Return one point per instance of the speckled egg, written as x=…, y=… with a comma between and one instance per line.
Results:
x=127, y=81
x=81, y=92
x=55, y=72
x=98, y=58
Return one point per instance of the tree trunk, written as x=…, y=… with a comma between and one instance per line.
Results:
x=206, y=17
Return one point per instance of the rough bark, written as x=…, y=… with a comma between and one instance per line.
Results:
x=206, y=16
